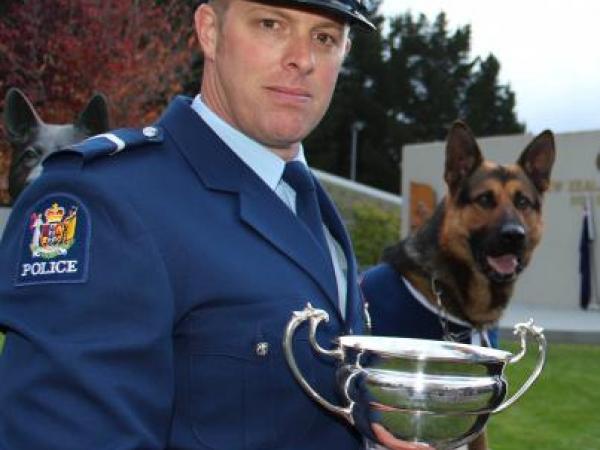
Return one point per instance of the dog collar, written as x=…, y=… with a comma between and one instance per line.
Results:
x=427, y=304
x=477, y=336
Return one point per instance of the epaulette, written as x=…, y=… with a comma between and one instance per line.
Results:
x=109, y=144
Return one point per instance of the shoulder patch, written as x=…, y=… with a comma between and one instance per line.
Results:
x=108, y=144
x=55, y=245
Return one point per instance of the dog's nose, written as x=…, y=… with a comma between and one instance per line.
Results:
x=512, y=234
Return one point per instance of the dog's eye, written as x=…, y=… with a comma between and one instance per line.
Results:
x=30, y=156
x=486, y=200
x=522, y=202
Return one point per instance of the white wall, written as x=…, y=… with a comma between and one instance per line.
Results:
x=552, y=278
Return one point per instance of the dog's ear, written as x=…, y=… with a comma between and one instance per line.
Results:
x=538, y=158
x=20, y=118
x=462, y=155
x=94, y=118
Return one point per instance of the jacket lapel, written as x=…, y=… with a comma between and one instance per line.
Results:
x=264, y=211
x=260, y=207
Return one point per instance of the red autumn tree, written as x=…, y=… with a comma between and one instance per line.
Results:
x=59, y=52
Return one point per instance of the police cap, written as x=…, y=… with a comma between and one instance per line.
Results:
x=353, y=11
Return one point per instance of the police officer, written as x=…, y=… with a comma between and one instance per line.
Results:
x=147, y=276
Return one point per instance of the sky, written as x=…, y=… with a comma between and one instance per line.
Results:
x=549, y=52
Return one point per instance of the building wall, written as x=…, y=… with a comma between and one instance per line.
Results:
x=552, y=279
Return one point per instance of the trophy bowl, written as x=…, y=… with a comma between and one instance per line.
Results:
x=433, y=392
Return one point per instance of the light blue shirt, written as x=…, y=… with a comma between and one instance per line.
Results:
x=269, y=167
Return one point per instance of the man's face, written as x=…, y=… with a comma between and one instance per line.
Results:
x=270, y=71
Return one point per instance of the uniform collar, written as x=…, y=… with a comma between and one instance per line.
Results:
x=266, y=164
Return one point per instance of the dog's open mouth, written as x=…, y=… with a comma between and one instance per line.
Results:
x=503, y=268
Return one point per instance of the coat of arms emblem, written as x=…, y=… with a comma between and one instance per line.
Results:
x=53, y=231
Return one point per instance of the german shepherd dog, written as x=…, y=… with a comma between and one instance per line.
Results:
x=465, y=259
x=32, y=140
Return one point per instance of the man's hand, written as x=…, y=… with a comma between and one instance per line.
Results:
x=389, y=441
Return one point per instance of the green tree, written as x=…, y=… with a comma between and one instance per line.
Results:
x=408, y=86
x=437, y=71
x=489, y=106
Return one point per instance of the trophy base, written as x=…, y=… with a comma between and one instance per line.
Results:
x=370, y=445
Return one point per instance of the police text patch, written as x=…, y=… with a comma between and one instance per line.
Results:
x=55, y=245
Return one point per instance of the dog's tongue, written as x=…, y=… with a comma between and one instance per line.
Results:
x=505, y=264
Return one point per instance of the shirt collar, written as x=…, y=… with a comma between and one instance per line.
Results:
x=266, y=164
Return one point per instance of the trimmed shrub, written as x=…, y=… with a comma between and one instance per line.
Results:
x=372, y=229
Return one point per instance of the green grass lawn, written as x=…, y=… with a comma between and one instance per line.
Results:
x=561, y=411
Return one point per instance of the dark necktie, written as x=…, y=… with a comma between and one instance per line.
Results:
x=296, y=174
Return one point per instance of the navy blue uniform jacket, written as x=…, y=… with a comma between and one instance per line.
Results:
x=396, y=312
x=156, y=319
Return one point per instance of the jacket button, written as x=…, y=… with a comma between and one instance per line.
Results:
x=150, y=132
x=262, y=348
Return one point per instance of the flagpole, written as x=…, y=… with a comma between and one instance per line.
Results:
x=595, y=304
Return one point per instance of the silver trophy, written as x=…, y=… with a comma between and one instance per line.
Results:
x=433, y=392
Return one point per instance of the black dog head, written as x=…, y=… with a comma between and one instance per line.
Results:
x=32, y=140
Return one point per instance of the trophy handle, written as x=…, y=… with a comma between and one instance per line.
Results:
x=314, y=316
x=523, y=329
